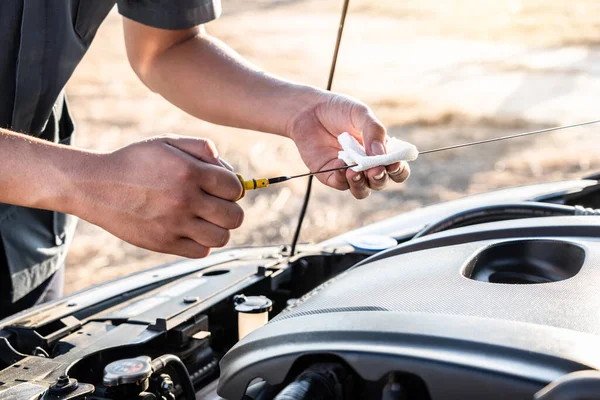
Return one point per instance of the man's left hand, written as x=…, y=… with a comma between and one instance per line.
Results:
x=315, y=130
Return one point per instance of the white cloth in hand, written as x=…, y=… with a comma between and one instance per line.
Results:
x=354, y=153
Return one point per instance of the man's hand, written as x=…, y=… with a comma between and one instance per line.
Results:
x=315, y=129
x=168, y=194
x=205, y=78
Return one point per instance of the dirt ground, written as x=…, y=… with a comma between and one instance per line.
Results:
x=435, y=75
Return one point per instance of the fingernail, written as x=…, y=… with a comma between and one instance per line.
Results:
x=397, y=170
x=226, y=164
x=380, y=176
x=377, y=148
x=212, y=148
x=357, y=178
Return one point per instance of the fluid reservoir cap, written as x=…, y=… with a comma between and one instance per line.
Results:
x=129, y=370
x=252, y=304
x=371, y=242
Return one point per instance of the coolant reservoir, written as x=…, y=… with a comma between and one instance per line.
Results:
x=253, y=312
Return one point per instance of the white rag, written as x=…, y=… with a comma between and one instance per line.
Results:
x=354, y=153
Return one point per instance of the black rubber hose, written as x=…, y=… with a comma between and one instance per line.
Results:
x=311, y=386
x=320, y=382
x=158, y=364
x=500, y=212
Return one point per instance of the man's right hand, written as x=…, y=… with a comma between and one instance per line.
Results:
x=168, y=194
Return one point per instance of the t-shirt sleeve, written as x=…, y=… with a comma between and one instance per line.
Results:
x=170, y=14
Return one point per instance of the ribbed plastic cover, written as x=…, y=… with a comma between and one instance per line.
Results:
x=431, y=281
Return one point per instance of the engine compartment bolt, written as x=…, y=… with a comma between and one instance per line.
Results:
x=63, y=384
x=167, y=386
x=62, y=380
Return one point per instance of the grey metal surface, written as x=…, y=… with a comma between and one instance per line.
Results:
x=77, y=301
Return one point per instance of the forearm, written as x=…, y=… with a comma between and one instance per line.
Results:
x=205, y=78
x=169, y=194
x=39, y=174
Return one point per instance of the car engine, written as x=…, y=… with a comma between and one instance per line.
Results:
x=488, y=297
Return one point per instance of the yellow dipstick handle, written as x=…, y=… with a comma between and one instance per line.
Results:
x=252, y=184
x=264, y=182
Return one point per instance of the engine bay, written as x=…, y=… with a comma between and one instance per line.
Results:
x=489, y=304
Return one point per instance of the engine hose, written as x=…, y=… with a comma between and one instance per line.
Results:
x=266, y=393
x=158, y=364
x=500, y=212
x=316, y=383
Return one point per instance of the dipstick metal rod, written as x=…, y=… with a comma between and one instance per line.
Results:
x=556, y=128
x=264, y=182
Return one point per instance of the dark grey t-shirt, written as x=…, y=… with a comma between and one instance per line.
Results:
x=41, y=43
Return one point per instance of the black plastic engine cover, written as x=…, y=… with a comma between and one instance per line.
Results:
x=427, y=313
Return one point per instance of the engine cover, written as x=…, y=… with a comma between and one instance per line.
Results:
x=495, y=318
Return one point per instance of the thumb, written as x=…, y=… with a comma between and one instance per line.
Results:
x=374, y=134
x=199, y=148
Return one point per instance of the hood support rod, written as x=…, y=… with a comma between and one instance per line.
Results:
x=329, y=85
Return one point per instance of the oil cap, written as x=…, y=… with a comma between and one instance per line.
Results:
x=252, y=304
x=253, y=312
x=129, y=370
x=371, y=243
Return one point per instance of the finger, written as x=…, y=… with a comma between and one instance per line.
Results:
x=223, y=213
x=374, y=138
x=378, y=178
x=186, y=247
x=359, y=186
x=212, y=177
x=206, y=233
x=219, y=182
x=395, y=168
x=337, y=179
x=399, y=172
x=199, y=148
x=374, y=135
x=225, y=164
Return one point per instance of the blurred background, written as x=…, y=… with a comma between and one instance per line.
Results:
x=436, y=73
